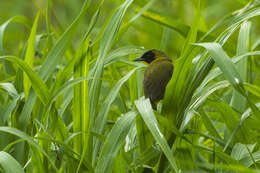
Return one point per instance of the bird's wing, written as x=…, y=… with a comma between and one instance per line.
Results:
x=156, y=78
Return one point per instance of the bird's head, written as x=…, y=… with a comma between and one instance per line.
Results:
x=151, y=55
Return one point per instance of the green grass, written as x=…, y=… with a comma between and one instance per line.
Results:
x=71, y=98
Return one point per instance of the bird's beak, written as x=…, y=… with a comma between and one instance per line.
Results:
x=139, y=59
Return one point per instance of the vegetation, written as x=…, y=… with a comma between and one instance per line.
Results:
x=71, y=98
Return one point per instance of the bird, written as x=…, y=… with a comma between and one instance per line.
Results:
x=157, y=75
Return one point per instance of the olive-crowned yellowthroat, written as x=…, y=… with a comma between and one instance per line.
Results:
x=157, y=75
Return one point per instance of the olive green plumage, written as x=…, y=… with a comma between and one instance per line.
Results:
x=157, y=74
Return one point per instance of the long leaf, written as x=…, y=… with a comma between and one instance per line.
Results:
x=108, y=38
x=53, y=59
x=114, y=142
x=145, y=109
x=24, y=136
x=229, y=70
x=17, y=19
x=103, y=114
x=238, y=101
x=38, y=85
x=9, y=164
x=29, y=56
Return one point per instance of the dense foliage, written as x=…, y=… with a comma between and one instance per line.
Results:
x=71, y=98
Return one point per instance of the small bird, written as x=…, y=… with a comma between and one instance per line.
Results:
x=157, y=75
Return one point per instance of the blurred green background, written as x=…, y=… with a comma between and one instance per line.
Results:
x=165, y=26
x=143, y=32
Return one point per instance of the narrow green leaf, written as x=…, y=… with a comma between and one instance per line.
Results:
x=238, y=101
x=217, y=72
x=176, y=25
x=67, y=86
x=141, y=11
x=29, y=56
x=85, y=123
x=67, y=71
x=38, y=85
x=24, y=136
x=56, y=53
x=252, y=89
x=103, y=113
x=20, y=19
x=202, y=95
x=225, y=64
x=229, y=70
x=209, y=125
x=17, y=19
x=244, y=116
x=145, y=109
x=105, y=45
x=53, y=59
x=10, y=107
x=114, y=142
x=239, y=151
x=117, y=54
x=9, y=164
x=9, y=87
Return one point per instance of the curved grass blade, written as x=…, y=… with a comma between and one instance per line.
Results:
x=225, y=64
x=251, y=10
x=256, y=44
x=24, y=136
x=244, y=116
x=9, y=164
x=102, y=117
x=53, y=59
x=177, y=26
x=67, y=71
x=145, y=109
x=9, y=87
x=105, y=45
x=114, y=142
x=201, y=96
x=121, y=52
x=56, y=53
x=209, y=125
x=140, y=12
x=66, y=86
x=10, y=107
x=38, y=85
x=29, y=56
x=238, y=101
x=217, y=72
x=252, y=89
x=17, y=19
x=229, y=70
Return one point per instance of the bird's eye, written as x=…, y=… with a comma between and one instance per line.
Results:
x=150, y=56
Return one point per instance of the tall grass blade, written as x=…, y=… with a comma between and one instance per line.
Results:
x=145, y=109
x=9, y=164
x=238, y=101
x=16, y=19
x=114, y=142
x=38, y=85
x=29, y=56
x=101, y=121
x=105, y=45
x=54, y=57
x=27, y=138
